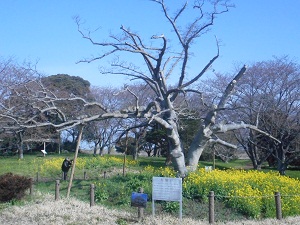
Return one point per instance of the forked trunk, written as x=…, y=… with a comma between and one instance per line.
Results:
x=197, y=146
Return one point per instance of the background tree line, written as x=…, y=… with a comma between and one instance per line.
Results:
x=267, y=96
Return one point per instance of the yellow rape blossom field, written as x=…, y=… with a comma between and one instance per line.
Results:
x=52, y=166
x=249, y=191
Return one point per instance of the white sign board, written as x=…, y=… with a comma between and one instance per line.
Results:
x=167, y=189
x=208, y=168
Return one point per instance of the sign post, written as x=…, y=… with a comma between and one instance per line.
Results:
x=167, y=189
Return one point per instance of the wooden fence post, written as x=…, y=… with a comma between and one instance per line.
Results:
x=125, y=152
x=211, y=216
x=84, y=175
x=278, y=206
x=140, y=209
x=57, y=190
x=92, y=195
x=104, y=175
x=37, y=177
x=31, y=186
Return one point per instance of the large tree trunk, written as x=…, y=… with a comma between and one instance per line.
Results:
x=197, y=147
x=176, y=152
x=169, y=121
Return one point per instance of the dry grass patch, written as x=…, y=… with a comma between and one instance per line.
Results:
x=74, y=212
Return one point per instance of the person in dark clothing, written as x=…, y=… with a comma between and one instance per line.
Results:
x=65, y=167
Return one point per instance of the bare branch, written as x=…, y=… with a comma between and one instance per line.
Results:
x=230, y=87
x=222, y=142
x=222, y=128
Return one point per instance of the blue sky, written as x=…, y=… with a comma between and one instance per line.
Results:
x=44, y=31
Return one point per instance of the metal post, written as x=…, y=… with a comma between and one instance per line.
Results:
x=57, y=190
x=84, y=175
x=211, y=216
x=37, y=176
x=92, y=195
x=104, y=175
x=278, y=206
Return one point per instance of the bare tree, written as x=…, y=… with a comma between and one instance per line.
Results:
x=13, y=75
x=101, y=134
x=269, y=98
x=104, y=133
x=163, y=62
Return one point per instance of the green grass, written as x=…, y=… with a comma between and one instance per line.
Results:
x=14, y=165
x=236, y=164
x=25, y=166
x=246, y=164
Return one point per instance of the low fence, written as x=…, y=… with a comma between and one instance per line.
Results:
x=211, y=199
x=38, y=177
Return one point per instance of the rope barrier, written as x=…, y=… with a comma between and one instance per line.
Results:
x=263, y=196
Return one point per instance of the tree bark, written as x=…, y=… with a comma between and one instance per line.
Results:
x=101, y=151
x=20, y=146
x=176, y=151
x=196, y=148
x=95, y=149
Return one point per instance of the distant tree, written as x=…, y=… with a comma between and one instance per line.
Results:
x=157, y=136
x=66, y=86
x=125, y=145
x=13, y=75
x=225, y=153
x=8, y=144
x=269, y=97
x=102, y=134
x=189, y=124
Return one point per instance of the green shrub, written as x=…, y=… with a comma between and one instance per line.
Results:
x=117, y=190
x=170, y=207
x=13, y=187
